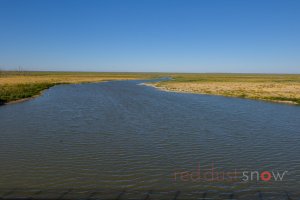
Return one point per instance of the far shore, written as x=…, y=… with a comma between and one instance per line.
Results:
x=17, y=87
x=279, y=88
x=191, y=92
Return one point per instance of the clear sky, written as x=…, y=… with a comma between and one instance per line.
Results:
x=261, y=36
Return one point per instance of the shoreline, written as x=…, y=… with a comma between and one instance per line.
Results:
x=165, y=89
x=16, y=87
x=42, y=91
x=284, y=89
x=54, y=84
x=25, y=99
x=28, y=98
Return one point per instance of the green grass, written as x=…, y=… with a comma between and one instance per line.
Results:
x=21, y=91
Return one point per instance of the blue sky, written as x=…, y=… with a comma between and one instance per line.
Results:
x=252, y=36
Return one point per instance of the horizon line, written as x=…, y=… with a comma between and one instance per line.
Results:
x=150, y=72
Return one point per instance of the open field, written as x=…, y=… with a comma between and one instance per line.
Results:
x=21, y=85
x=271, y=87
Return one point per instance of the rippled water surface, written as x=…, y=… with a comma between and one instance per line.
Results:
x=125, y=135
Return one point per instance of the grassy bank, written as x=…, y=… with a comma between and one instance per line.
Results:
x=20, y=85
x=271, y=87
x=278, y=88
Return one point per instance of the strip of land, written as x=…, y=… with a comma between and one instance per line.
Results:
x=16, y=86
x=282, y=88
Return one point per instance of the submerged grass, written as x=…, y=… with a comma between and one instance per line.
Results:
x=21, y=85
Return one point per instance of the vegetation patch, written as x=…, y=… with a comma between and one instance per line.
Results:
x=282, y=88
x=20, y=91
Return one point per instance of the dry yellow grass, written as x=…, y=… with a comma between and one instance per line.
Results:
x=12, y=80
x=277, y=88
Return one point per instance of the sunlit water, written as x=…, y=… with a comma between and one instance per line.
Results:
x=125, y=135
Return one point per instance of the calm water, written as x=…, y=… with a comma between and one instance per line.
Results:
x=125, y=135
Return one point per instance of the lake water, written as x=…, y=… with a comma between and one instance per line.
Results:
x=123, y=135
